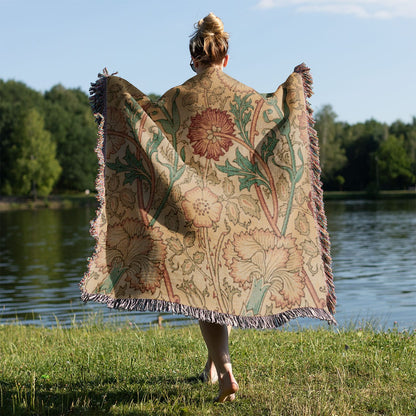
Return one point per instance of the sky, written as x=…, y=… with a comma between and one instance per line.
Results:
x=362, y=53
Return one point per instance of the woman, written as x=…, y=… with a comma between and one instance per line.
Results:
x=209, y=48
x=211, y=203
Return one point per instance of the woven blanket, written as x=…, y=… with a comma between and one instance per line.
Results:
x=210, y=202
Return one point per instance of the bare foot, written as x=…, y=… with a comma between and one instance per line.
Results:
x=209, y=374
x=228, y=388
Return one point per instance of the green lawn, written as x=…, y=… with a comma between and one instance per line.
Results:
x=109, y=369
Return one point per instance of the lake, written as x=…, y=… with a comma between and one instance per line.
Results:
x=43, y=256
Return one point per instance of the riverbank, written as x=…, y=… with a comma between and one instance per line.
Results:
x=102, y=369
x=346, y=195
x=63, y=201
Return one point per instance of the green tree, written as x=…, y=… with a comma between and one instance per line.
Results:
x=15, y=98
x=332, y=154
x=394, y=164
x=408, y=133
x=71, y=123
x=361, y=142
x=153, y=97
x=35, y=168
x=8, y=116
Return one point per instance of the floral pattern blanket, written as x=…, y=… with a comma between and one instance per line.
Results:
x=210, y=202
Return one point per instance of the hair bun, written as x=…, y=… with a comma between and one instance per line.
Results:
x=211, y=25
x=209, y=43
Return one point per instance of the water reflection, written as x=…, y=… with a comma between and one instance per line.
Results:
x=43, y=257
x=375, y=259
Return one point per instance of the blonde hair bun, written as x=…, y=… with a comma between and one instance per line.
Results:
x=211, y=25
x=209, y=42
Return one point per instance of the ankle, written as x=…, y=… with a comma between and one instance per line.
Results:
x=226, y=377
x=226, y=371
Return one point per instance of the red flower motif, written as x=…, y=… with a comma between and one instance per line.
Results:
x=209, y=133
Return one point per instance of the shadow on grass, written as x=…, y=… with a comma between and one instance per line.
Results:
x=98, y=397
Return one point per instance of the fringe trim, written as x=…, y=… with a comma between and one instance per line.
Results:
x=98, y=91
x=255, y=322
x=97, y=100
x=317, y=195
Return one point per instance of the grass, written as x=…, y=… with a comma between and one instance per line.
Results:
x=108, y=369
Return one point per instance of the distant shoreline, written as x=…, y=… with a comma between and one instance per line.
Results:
x=344, y=195
x=63, y=201
x=66, y=201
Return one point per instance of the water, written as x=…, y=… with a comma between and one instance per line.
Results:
x=374, y=260
x=43, y=257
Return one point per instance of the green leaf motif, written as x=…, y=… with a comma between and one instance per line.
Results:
x=134, y=113
x=258, y=291
x=172, y=123
x=228, y=187
x=272, y=101
x=133, y=168
x=248, y=173
x=299, y=174
x=188, y=267
x=183, y=154
x=175, y=113
x=167, y=125
x=112, y=279
x=175, y=245
x=213, y=178
x=133, y=110
x=233, y=212
x=246, y=118
x=249, y=205
x=284, y=127
x=199, y=257
x=300, y=155
x=268, y=146
x=242, y=114
x=153, y=144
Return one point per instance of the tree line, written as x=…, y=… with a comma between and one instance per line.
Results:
x=369, y=156
x=47, y=140
x=47, y=143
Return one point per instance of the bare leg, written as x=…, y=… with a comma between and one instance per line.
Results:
x=209, y=374
x=216, y=339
